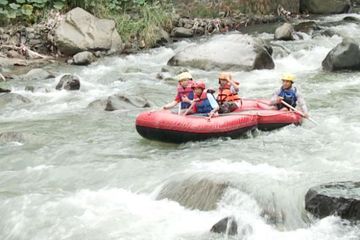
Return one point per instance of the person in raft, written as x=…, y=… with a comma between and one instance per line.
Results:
x=184, y=89
x=203, y=102
x=289, y=94
x=228, y=97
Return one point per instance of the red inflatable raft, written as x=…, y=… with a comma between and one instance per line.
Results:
x=167, y=126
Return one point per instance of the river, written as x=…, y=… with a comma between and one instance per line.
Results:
x=87, y=174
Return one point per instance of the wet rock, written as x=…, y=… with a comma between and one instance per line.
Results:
x=80, y=31
x=325, y=7
x=83, y=58
x=7, y=137
x=263, y=59
x=227, y=226
x=12, y=99
x=2, y=90
x=345, y=55
x=37, y=74
x=225, y=52
x=306, y=27
x=341, y=199
x=194, y=193
x=351, y=19
x=161, y=37
x=327, y=33
x=122, y=102
x=182, y=32
x=284, y=32
x=68, y=82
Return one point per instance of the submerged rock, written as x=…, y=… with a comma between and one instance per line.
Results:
x=68, y=82
x=119, y=102
x=306, y=27
x=12, y=99
x=325, y=7
x=99, y=104
x=226, y=225
x=37, y=74
x=225, y=52
x=345, y=55
x=341, y=199
x=194, y=193
x=7, y=137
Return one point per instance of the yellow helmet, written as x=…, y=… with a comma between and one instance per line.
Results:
x=288, y=77
x=184, y=76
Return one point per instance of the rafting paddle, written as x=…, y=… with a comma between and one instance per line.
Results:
x=301, y=113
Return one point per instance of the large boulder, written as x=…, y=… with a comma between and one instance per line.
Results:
x=284, y=32
x=80, y=31
x=225, y=52
x=345, y=55
x=195, y=193
x=341, y=199
x=68, y=82
x=325, y=7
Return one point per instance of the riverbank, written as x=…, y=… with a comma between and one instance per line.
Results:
x=56, y=37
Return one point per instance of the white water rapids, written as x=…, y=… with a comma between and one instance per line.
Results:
x=86, y=174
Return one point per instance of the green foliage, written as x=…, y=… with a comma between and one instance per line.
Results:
x=26, y=10
x=137, y=20
x=143, y=23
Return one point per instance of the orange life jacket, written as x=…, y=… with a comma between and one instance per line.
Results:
x=225, y=95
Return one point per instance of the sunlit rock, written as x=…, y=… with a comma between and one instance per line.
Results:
x=83, y=58
x=284, y=32
x=81, y=31
x=225, y=52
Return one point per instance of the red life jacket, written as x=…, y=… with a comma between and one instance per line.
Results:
x=188, y=91
x=225, y=94
x=185, y=91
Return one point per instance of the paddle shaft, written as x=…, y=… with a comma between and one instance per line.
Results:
x=301, y=113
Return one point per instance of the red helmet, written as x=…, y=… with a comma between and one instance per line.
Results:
x=199, y=84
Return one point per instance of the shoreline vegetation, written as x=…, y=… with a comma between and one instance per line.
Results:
x=27, y=27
